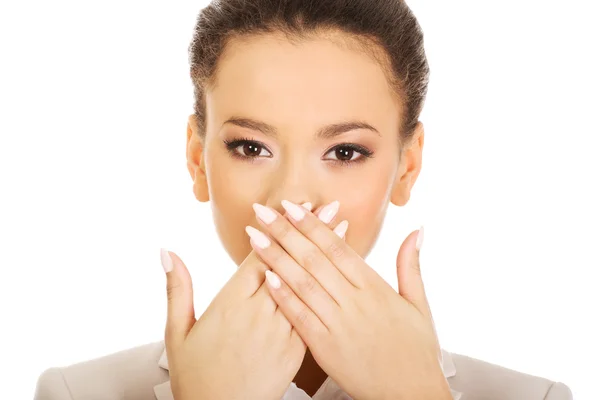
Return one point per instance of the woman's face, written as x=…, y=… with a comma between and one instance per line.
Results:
x=309, y=122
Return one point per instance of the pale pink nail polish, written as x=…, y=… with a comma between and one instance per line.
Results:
x=166, y=261
x=420, y=238
x=272, y=279
x=259, y=238
x=308, y=206
x=295, y=211
x=341, y=229
x=329, y=211
x=264, y=213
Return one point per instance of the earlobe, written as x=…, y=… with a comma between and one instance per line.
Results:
x=195, y=160
x=409, y=167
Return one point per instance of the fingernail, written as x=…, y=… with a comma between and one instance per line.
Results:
x=308, y=206
x=264, y=213
x=341, y=229
x=420, y=238
x=272, y=279
x=329, y=211
x=166, y=261
x=295, y=211
x=259, y=238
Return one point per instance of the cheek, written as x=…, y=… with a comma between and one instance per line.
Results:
x=231, y=198
x=232, y=189
x=365, y=214
x=364, y=205
x=364, y=200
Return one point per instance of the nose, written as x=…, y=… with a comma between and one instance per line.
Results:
x=294, y=195
x=293, y=183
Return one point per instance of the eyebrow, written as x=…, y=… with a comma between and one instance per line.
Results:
x=326, y=132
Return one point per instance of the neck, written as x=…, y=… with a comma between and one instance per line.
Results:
x=310, y=376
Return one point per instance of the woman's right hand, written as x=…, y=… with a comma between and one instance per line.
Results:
x=242, y=347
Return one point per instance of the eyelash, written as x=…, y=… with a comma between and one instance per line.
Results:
x=233, y=144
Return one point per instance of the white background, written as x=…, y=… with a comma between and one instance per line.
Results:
x=94, y=99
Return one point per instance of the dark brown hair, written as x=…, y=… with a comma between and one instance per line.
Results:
x=390, y=24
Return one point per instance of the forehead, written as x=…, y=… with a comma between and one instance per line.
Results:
x=314, y=80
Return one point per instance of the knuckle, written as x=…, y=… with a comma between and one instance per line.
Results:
x=301, y=318
x=308, y=285
x=276, y=255
x=312, y=230
x=280, y=230
x=335, y=250
x=310, y=259
x=172, y=290
x=416, y=268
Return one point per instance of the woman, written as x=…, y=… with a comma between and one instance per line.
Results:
x=306, y=126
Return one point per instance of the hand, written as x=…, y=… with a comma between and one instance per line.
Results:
x=242, y=347
x=374, y=343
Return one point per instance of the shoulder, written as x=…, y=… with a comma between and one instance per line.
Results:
x=130, y=374
x=478, y=379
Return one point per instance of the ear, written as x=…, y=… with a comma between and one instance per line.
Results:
x=409, y=168
x=195, y=159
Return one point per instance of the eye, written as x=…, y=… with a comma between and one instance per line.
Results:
x=348, y=153
x=246, y=148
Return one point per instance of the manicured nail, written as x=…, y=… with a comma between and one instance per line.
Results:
x=420, y=238
x=308, y=206
x=259, y=238
x=264, y=213
x=166, y=261
x=272, y=279
x=341, y=229
x=329, y=211
x=295, y=211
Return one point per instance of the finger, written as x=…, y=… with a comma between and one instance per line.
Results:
x=265, y=299
x=335, y=224
x=408, y=268
x=180, y=300
x=297, y=348
x=305, y=286
x=340, y=255
x=332, y=224
x=338, y=226
x=308, y=257
x=305, y=322
x=248, y=278
x=268, y=304
x=410, y=281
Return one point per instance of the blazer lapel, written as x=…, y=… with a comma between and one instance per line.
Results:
x=163, y=390
x=449, y=371
x=447, y=364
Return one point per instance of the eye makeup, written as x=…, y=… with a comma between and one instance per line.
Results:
x=345, y=149
x=344, y=154
x=251, y=149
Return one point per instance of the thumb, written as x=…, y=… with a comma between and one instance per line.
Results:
x=180, y=297
x=408, y=268
x=410, y=281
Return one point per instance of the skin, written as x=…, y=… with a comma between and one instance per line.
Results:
x=297, y=89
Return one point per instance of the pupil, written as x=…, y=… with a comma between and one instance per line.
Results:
x=344, y=154
x=251, y=149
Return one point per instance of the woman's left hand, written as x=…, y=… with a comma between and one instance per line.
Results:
x=372, y=342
